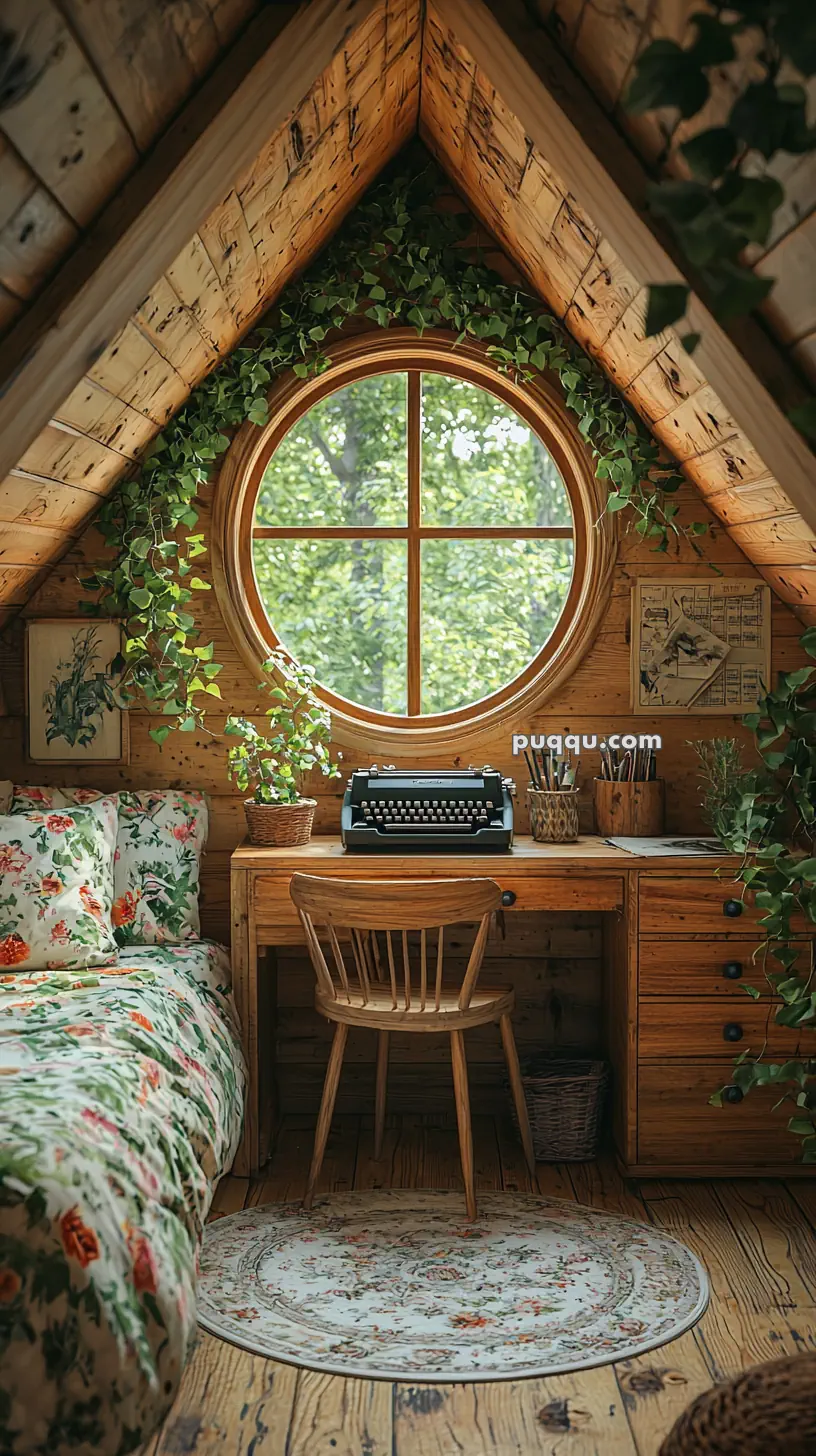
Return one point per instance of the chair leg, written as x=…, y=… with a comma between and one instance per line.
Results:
x=514, y=1073
x=326, y=1108
x=462, y=1095
x=379, y=1096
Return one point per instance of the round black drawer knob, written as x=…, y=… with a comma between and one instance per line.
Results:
x=732, y=1094
x=508, y=897
x=732, y=908
x=732, y=970
x=732, y=1031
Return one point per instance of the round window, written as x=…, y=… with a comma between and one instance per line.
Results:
x=413, y=542
x=424, y=532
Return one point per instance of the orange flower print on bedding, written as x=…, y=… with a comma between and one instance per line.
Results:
x=59, y=933
x=78, y=1240
x=144, y=1264
x=13, y=950
x=123, y=911
x=12, y=859
x=141, y=1020
x=58, y=823
x=471, y=1321
x=184, y=832
x=91, y=903
x=50, y=885
x=10, y=1285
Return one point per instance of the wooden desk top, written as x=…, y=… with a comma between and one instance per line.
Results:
x=325, y=851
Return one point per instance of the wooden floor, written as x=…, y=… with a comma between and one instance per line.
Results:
x=757, y=1240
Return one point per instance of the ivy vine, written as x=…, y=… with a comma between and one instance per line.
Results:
x=731, y=198
x=399, y=259
x=769, y=819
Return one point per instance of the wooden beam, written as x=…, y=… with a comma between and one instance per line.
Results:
x=142, y=231
x=517, y=56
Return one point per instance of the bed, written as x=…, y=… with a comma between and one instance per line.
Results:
x=122, y=1094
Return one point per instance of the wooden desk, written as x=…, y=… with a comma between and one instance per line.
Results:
x=667, y=1000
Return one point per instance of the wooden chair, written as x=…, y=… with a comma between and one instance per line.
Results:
x=383, y=992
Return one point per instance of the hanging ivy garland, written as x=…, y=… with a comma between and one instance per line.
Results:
x=399, y=259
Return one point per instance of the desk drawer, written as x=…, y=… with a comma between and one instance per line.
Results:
x=678, y=1128
x=671, y=1029
x=274, y=910
x=703, y=968
x=696, y=906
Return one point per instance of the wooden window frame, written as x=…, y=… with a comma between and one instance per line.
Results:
x=539, y=405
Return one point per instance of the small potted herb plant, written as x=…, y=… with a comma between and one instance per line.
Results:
x=274, y=763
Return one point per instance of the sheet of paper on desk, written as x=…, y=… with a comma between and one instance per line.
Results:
x=668, y=845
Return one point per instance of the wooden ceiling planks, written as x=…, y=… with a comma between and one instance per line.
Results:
x=277, y=213
x=95, y=83
x=357, y=114
x=584, y=280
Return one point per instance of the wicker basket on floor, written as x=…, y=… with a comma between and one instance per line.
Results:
x=767, y=1409
x=565, y=1100
x=280, y=823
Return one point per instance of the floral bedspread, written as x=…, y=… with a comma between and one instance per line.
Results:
x=121, y=1094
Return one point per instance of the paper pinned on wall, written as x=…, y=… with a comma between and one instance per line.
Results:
x=701, y=646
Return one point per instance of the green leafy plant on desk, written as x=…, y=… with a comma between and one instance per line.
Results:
x=767, y=816
x=273, y=764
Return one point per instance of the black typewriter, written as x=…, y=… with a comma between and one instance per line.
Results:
x=390, y=808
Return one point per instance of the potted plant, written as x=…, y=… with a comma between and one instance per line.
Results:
x=274, y=762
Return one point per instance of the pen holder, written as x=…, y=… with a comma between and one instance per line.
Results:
x=635, y=810
x=553, y=815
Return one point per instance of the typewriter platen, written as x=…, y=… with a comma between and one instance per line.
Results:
x=389, y=808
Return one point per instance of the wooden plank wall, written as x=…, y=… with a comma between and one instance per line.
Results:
x=519, y=196
x=596, y=697
x=603, y=38
x=271, y=221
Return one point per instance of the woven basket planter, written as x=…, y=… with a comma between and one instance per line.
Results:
x=280, y=823
x=565, y=1101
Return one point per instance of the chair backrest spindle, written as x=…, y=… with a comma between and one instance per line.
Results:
x=355, y=910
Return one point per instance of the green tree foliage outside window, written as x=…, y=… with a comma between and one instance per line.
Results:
x=487, y=605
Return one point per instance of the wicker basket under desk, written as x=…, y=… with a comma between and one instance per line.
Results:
x=565, y=1100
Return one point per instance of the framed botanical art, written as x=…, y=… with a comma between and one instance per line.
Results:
x=73, y=710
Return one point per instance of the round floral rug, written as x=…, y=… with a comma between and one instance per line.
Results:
x=397, y=1285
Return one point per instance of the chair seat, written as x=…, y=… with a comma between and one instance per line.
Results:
x=488, y=1003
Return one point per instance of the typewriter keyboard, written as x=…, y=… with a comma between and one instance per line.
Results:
x=401, y=815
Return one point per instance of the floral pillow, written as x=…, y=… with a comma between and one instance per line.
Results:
x=56, y=888
x=162, y=834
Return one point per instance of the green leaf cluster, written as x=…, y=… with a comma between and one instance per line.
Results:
x=730, y=200
x=400, y=259
x=768, y=817
x=272, y=764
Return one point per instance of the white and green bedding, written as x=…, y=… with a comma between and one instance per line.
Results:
x=121, y=1095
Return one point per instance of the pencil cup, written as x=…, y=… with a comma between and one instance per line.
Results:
x=553, y=815
x=635, y=810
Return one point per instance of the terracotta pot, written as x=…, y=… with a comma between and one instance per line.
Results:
x=280, y=823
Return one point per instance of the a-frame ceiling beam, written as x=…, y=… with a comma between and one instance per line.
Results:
x=517, y=57
x=247, y=99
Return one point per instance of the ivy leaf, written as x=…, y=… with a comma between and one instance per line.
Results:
x=198, y=585
x=667, y=303
x=160, y=734
x=141, y=597
x=710, y=152
x=666, y=75
x=803, y=416
x=739, y=290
